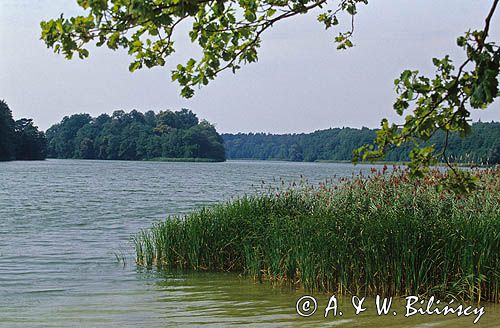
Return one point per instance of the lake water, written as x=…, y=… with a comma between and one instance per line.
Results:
x=62, y=223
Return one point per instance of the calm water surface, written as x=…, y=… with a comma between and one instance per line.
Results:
x=62, y=222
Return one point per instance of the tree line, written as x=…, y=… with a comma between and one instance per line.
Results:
x=181, y=135
x=337, y=144
x=21, y=139
x=135, y=136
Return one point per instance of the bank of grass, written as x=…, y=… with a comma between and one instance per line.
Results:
x=386, y=234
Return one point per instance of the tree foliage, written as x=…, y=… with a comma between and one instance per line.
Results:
x=7, y=138
x=227, y=31
x=441, y=103
x=135, y=136
x=19, y=140
x=481, y=147
x=31, y=144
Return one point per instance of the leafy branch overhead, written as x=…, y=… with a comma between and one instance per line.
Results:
x=443, y=102
x=228, y=32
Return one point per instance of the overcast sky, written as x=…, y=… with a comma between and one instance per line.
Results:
x=300, y=84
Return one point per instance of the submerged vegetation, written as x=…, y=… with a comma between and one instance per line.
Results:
x=383, y=234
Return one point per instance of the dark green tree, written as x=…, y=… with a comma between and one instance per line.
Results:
x=30, y=143
x=7, y=145
x=150, y=118
x=61, y=137
x=21, y=139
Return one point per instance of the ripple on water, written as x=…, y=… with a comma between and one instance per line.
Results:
x=62, y=221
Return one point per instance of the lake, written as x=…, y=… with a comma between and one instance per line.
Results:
x=66, y=258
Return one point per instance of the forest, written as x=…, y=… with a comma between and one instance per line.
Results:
x=21, y=139
x=135, y=136
x=181, y=135
x=482, y=146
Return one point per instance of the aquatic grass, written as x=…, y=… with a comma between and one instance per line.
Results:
x=383, y=234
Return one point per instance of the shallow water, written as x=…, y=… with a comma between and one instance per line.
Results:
x=62, y=223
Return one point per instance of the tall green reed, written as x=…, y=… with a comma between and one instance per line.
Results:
x=384, y=234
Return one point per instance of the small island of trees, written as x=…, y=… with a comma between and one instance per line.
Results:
x=168, y=135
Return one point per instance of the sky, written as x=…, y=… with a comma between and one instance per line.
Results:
x=301, y=83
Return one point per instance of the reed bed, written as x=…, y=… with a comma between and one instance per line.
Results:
x=384, y=234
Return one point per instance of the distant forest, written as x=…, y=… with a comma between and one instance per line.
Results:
x=181, y=135
x=135, y=136
x=19, y=140
x=481, y=146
